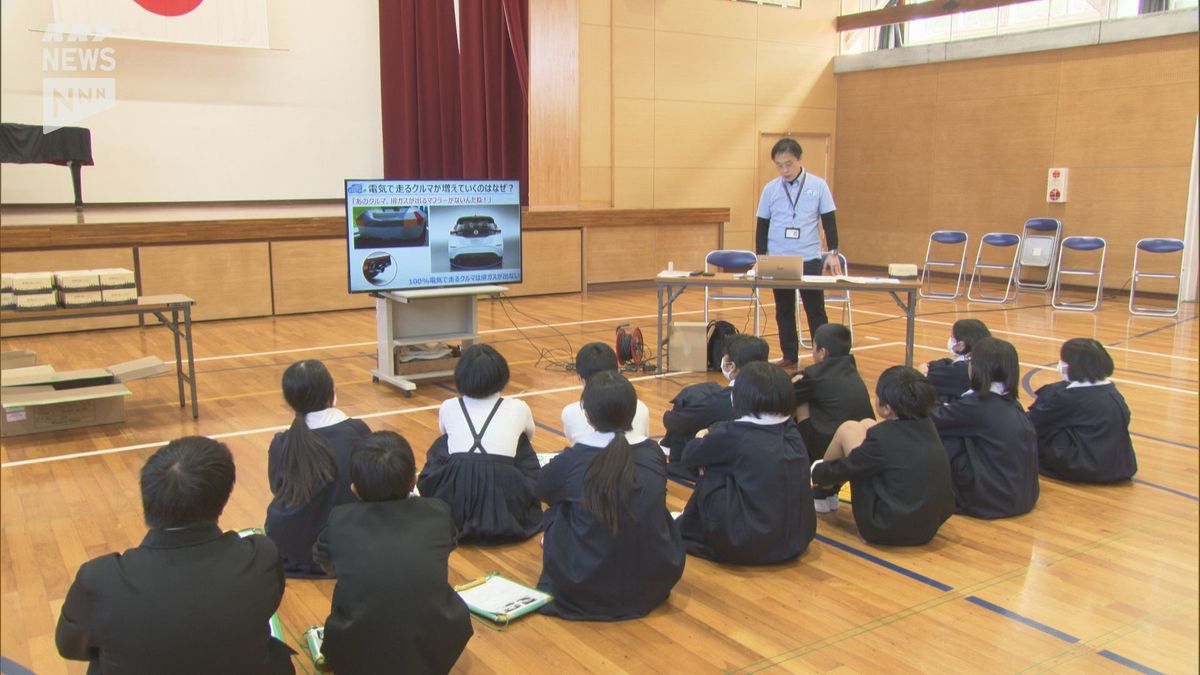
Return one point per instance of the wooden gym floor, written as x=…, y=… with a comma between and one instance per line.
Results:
x=1094, y=579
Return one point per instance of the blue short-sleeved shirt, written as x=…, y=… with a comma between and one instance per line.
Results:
x=776, y=204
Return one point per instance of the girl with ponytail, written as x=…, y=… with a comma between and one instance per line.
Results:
x=897, y=468
x=611, y=551
x=308, y=466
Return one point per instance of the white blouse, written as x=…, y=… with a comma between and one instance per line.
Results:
x=512, y=419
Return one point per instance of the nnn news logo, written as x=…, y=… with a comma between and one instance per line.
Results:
x=73, y=59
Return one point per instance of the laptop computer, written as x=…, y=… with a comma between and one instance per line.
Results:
x=781, y=267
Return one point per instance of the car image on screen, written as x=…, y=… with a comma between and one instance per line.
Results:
x=392, y=227
x=476, y=242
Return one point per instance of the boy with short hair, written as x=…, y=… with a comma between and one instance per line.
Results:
x=189, y=598
x=393, y=609
x=598, y=357
x=828, y=393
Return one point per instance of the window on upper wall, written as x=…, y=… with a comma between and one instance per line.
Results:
x=1017, y=18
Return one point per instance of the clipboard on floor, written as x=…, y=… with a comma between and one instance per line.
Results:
x=499, y=599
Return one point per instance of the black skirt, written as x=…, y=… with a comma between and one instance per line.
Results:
x=491, y=497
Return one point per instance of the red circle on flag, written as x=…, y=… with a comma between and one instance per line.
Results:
x=1056, y=173
x=1054, y=194
x=169, y=7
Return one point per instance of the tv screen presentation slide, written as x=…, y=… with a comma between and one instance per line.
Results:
x=403, y=235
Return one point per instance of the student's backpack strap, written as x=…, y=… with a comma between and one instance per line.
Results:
x=478, y=435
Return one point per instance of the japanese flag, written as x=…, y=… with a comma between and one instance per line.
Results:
x=238, y=23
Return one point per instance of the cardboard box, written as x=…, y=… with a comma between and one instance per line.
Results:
x=421, y=366
x=46, y=300
x=17, y=358
x=116, y=277
x=138, y=369
x=77, y=280
x=5, y=282
x=119, y=296
x=8, y=300
x=46, y=375
x=31, y=410
x=688, y=341
x=80, y=298
x=32, y=282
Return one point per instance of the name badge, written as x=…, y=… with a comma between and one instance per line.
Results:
x=791, y=233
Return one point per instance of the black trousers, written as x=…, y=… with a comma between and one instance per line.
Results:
x=785, y=312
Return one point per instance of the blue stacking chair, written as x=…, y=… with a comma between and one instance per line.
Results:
x=1039, y=250
x=841, y=297
x=1156, y=246
x=731, y=261
x=945, y=239
x=997, y=241
x=1082, y=245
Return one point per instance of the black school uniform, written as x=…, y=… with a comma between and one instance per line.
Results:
x=393, y=610
x=491, y=497
x=1083, y=433
x=695, y=407
x=993, y=455
x=591, y=574
x=900, y=478
x=835, y=393
x=950, y=378
x=187, y=601
x=754, y=503
x=295, y=528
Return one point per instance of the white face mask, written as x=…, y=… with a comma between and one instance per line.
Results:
x=1062, y=370
x=950, y=342
x=727, y=369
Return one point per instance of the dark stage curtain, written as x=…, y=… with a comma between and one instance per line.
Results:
x=419, y=86
x=494, y=77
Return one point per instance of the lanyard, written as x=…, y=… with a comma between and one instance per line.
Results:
x=800, y=191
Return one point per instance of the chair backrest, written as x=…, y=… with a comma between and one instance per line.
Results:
x=1043, y=224
x=1001, y=239
x=1157, y=245
x=1083, y=243
x=949, y=236
x=731, y=260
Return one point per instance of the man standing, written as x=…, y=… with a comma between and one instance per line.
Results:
x=788, y=213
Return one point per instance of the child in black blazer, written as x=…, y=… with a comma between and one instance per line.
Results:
x=753, y=502
x=897, y=468
x=393, y=608
x=1082, y=423
x=828, y=393
x=308, y=466
x=949, y=376
x=611, y=550
x=988, y=436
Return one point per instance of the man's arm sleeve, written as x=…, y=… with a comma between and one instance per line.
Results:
x=760, y=236
x=73, y=635
x=829, y=222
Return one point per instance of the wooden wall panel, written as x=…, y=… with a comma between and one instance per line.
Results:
x=633, y=62
x=225, y=280
x=310, y=276
x=691, y=135
x=633, y=188
x=554, y=103
x=704, y=68
x=42, y=261
x=967, y=144
x=552, y=262
x=595, y=96
x=641, y=252
x=633, y=133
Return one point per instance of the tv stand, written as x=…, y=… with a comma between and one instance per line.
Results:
x=423, y=315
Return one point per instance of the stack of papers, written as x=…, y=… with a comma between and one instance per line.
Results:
x=501, y=600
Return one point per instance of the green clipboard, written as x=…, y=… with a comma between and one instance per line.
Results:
x=500, y=599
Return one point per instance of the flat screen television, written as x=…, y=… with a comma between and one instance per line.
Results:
x=408, y=234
